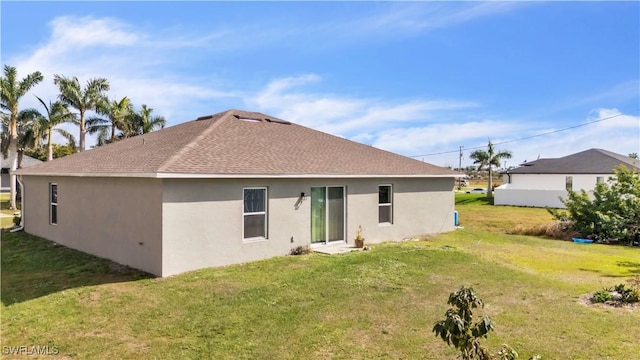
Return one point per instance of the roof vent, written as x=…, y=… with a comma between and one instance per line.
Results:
x=278, y=121
x=206, y=117
x=258, y=119
x=247, y=118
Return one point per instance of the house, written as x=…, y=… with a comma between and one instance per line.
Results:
x=5, y=180
x=542, y=182
x=229, y=188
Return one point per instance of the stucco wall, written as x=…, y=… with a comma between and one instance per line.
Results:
x=555, y=181
x=107, y=217
x=202, y=219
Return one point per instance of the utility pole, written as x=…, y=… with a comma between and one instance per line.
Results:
x=460, y=168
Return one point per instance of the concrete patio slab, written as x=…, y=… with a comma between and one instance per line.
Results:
x=334, y=248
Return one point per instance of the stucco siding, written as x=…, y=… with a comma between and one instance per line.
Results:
x=540, y=190
x=115, y=218
x=555, y=181
x=202, y=219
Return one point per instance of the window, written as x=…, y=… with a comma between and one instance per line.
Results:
x=53, y=203
x=569, y=183
x=600, y=180
x=385, y=204
x=254, y=216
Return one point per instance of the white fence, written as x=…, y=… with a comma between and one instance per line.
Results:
x=525, y=197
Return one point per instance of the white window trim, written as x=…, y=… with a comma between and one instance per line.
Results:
x=52, y=204
x=389, y=204
x=265, y=213
x=568, y=180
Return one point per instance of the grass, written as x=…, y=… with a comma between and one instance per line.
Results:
x=6, y=222
x=375, y=304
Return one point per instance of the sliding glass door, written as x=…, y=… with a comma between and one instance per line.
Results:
x=327, y=214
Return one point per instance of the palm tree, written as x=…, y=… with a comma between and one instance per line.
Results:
x=148, y=123
x=27, y=133
x=12, y=91
x=117, y=112
x=57, y=113
x=82, y=99
x=486, y=159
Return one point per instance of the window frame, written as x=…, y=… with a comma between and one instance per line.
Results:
x=568, y=183
x=53, y=204
x=389, y=204
x=264, y=213
x=599, y=180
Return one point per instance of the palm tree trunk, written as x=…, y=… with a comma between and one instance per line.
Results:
x=49, y=145
x=13, y=151
x=83, y=131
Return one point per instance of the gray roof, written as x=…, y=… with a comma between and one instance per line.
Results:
x=27, y=161
x=237, y=143
x=592, y=161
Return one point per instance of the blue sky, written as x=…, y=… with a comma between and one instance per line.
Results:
x=415, y=78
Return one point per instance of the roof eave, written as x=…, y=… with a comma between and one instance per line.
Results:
x=239, y=176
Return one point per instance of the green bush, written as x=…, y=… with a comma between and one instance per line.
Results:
x=612, y=214
x=601, y=296
x=627, y=294
x=458, y=330
x=16, y=220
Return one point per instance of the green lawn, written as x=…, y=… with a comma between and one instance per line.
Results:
x=6, y=222
x=378, y=304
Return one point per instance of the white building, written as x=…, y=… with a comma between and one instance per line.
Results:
x=543, y=182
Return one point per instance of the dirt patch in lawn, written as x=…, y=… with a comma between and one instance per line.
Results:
x=585, y=299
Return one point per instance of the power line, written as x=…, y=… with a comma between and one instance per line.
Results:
x=526, y=137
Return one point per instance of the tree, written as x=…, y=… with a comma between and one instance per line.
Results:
x=12, y=91
x=82, y=99
x=612, y=213
x=125, y=120
x=27, y=138
x=147, y=123
x=634, y=156
x=488, y=159
x=58, y=151
x=57, y=113
x=458, y=329
x=117, y=113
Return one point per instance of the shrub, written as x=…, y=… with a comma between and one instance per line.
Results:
x=300, y=250
x=16, y=220
x=612, y=214
x=627, y=294
x=601, y=296
x=457, y=329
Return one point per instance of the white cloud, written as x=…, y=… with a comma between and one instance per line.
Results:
x=409, y=18
x=436, y=128
x=343, y=115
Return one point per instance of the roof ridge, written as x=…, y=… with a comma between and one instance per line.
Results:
x=194, y=142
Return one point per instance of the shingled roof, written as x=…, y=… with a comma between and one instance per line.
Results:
x=592, y=161
x=26, y=161
x=237, y=143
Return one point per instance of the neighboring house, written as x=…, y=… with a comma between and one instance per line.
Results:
x=542, y=182
x=5, y=180
x=230, y=188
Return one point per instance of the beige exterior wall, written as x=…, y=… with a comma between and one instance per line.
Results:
x=115, y=218
x=202, y=219
x=170, y=226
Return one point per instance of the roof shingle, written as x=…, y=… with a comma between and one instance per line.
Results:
x=592, y=161
x=237, y=143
